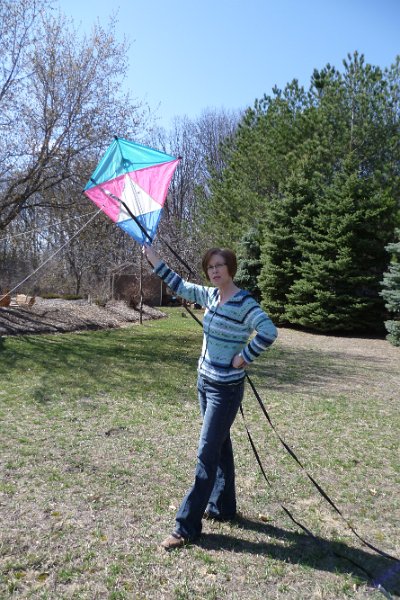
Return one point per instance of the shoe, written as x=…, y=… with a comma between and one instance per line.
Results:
x=173, y=541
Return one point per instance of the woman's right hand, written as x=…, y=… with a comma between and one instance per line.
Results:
x=238, y=362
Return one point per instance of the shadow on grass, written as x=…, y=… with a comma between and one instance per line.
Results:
x=117, y=360
x=121, y=344
x=317, y=553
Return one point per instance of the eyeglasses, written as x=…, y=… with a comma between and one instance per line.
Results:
x=218, y=266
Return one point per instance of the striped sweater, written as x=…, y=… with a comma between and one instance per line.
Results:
x=226, y=328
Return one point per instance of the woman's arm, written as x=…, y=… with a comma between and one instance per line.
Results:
x=266, y=332
x=192, y=292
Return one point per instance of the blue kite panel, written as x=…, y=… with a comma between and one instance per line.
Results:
x=122, y=157
x=149, y=222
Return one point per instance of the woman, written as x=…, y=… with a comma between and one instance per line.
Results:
x=231, y=316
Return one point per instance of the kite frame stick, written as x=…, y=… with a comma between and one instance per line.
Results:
x=184, y=263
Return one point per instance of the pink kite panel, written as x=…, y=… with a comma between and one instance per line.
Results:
x=155, y=180
x=108, y=204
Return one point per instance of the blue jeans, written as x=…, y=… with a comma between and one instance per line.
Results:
x=214, y=484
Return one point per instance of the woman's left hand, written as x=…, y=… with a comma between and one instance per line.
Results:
x=151, y=255
x=238, y=362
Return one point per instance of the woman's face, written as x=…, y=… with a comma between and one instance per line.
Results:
x=217, y=271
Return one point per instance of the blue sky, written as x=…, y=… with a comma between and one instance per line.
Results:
x=190, y=55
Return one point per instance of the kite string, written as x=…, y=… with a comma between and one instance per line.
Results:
x=52, y=255
x=12, y=237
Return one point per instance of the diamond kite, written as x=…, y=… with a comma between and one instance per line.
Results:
x=130, y=185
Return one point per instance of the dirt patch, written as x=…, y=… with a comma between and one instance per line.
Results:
x=60, y=316
x=340, y=365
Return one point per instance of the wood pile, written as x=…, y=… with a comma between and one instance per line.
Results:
x=22, y=300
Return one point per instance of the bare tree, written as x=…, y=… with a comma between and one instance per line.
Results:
x=199, y=143
x=213, y=129
x=59, y=102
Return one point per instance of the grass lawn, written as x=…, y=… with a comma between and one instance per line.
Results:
x=98, y=437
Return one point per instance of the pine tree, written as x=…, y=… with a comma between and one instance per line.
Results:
x=279, y=252
x=340, y=239
x=249, y=263
x=323, y=255
x=391, y=293
x=258, y=159
x=320, y=172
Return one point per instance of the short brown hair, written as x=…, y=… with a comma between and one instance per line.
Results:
x=228, y=255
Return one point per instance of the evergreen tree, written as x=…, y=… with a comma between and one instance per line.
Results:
x=257, y=159
x=249, y=263
x=320, y=171
x=279, y=253
x=340, y=239
x=391, y=293
x=323, y=255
